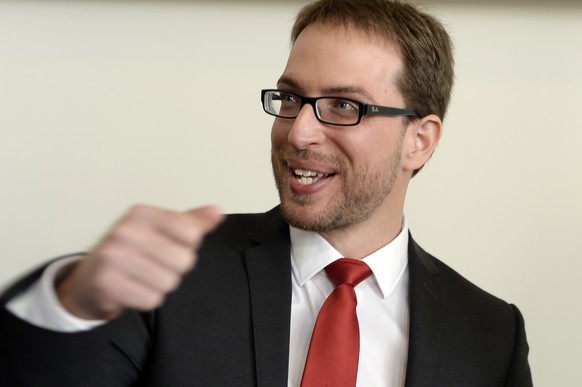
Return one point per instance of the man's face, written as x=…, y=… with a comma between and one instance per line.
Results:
x=328, y=176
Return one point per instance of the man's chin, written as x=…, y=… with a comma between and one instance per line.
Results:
x=304, y=216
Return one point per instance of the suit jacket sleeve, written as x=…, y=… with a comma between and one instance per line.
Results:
x=519, y=373
x=32, y=356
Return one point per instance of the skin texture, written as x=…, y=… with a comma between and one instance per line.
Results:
x=358, y=205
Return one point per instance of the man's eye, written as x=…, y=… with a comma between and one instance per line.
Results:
x=345, y=105
x=288, y=98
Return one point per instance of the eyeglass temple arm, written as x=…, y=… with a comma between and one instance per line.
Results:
x=388, y=111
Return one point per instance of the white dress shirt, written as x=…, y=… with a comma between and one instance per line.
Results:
x=382, y=310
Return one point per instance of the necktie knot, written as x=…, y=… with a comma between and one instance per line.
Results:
x=347, y=270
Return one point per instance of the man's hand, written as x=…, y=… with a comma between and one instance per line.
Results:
x=139, y=261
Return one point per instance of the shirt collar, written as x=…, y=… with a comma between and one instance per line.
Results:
x=311, y=253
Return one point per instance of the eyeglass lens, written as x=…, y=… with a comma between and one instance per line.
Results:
x=328, y=109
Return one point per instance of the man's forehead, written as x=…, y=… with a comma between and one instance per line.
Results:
x=329, y=59
x=348, y=32
x=339, y=47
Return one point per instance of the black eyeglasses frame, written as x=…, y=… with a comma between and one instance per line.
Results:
x=364, y=108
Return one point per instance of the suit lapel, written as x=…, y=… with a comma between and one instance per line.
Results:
x=426, y=318
x=269, y=272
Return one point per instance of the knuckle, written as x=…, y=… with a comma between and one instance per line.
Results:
x=154, y=300
x=197, y=240
x=109, y=255
x=192, y=229
x=169, y=283
x=184, y=262
x=138, y=210
x=122, y=232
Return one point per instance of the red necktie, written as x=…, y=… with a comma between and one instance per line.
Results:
x=335, y=345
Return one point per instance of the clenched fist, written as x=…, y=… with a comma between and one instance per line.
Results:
x=137, y=263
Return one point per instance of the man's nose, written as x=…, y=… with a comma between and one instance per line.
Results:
x=306, y=129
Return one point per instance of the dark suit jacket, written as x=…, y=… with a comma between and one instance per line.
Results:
x=228, y=325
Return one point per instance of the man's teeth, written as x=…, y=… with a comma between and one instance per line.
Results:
x=308, y=177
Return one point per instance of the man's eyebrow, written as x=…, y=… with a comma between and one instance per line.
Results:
x=342, y=90
x=285, y=81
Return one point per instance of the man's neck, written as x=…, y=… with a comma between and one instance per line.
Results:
x=360, y=240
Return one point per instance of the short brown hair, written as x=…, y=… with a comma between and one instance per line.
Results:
x=421, y=40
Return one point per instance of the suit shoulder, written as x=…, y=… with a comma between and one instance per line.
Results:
x=457, y=289
x=478, y=334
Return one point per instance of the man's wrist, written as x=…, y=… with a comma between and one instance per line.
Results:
x=39, y=304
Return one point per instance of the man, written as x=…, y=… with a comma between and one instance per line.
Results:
x=359, y=111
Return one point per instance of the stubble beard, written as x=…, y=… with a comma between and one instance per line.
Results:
x=356, y=201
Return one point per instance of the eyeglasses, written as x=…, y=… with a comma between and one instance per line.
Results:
x=330, y=110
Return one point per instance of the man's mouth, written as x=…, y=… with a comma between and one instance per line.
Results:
x=308, y=177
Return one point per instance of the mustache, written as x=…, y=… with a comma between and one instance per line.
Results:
x=287, y=153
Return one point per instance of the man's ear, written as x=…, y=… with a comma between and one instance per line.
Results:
x=420, y=141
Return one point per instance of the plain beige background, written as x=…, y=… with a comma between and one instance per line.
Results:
x=104, y=104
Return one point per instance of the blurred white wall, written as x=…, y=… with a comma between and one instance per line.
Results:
x=107, y=104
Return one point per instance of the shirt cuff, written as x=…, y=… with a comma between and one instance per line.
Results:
x=40, y=306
